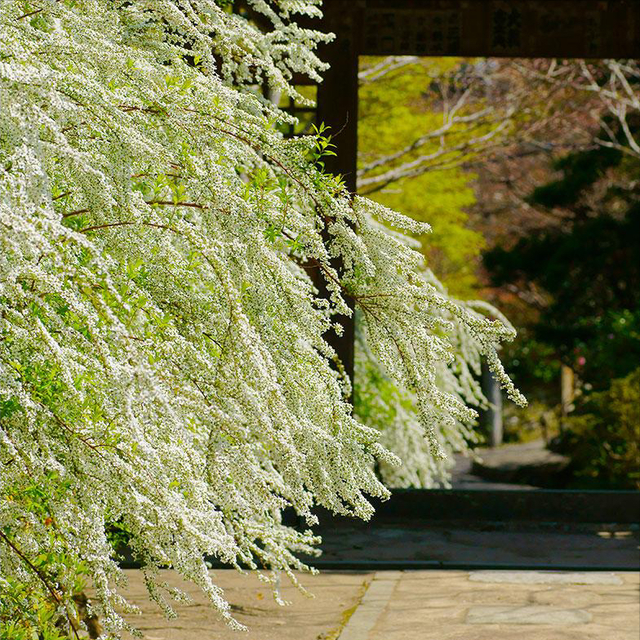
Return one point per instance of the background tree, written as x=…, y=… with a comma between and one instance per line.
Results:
x=442, y=138
x=398, y=101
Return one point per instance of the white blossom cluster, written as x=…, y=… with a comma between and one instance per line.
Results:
x=163, y=368
x=434, y=384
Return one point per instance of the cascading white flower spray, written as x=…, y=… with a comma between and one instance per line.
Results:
x=162, y=361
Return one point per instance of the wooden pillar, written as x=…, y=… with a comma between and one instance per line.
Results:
x=338, y=109
x=338, y=92
x=492, y=417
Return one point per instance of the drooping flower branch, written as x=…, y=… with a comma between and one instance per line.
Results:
x=163, y=366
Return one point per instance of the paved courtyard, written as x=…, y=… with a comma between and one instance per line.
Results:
x=497, y=605
x=412, y=605
x=322, y=617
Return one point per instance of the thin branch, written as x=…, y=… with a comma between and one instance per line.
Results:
x=43, y=579
x=382, y=68
x=422, y=140
x=31, y=13
x=195, y=205
x=421, y=164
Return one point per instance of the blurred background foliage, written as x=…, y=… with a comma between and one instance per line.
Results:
x=602, y=437
x=529, y=173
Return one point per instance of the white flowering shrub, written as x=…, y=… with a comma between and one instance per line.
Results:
x=389, y=406
x=163, y=370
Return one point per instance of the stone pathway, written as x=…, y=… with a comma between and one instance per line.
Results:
x=464, y=477
x=410, y=605
x=498, y=605
x=336, y=595
x=522, y=465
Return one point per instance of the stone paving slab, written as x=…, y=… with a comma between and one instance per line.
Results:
x=452, y=605
x=319, y=618
x=546, y=577
x=532, y=614
x=373, y=603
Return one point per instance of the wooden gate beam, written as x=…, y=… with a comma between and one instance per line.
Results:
x=507, y=28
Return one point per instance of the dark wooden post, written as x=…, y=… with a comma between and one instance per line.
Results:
x=492, y=416
x=338, y=109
